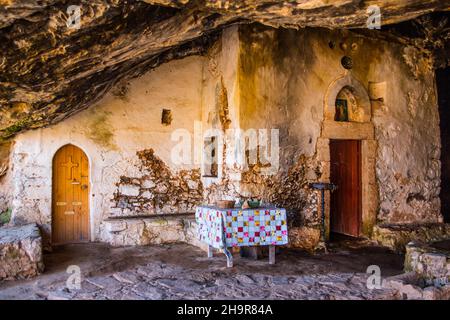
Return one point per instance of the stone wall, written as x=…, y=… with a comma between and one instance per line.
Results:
x=285, y=77
x=158, y=190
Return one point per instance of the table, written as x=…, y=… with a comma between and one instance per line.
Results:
x=225, y=228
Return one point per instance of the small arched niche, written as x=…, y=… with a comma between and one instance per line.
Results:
x=346, y=106
x=347, y=101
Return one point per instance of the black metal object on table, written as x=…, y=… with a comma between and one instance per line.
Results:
x=323, y=186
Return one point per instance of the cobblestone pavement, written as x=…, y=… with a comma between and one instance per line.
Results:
x=184, y=272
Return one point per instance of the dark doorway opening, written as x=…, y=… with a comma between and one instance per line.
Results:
x=345, y=215
x=443, y=88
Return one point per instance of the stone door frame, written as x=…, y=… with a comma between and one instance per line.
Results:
x=363, y=131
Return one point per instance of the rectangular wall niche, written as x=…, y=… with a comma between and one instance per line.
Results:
x=210, y=157
x=166, y=117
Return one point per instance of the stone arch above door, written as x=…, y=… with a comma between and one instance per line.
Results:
x=362, y=108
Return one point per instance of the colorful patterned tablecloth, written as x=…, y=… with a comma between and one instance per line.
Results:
x=222, y=228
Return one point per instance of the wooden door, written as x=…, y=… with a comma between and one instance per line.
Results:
x=345, y=208
x=70, y=217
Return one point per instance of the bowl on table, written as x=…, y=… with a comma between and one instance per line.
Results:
x=250, y=204
x=254, y=204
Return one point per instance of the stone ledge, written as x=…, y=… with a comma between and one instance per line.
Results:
x=20, y=252
x=161, y=229
x=397, y=236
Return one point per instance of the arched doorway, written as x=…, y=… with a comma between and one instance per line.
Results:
x=347, y=150
x=345, y=173
x=70, y=200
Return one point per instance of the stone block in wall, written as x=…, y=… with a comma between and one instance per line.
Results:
x=116, y=226
x=147, y=195
x=348, y=130
x=148, y=184
x=326, y=171
x=323, y=149
x=20, y=252
x=193, y=185
x=129, y=190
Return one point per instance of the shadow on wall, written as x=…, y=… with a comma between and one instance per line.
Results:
x=442, y=82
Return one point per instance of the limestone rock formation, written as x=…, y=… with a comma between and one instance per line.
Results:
x=20, y=252
x=51, y=67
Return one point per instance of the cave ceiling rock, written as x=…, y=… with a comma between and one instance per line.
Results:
x=49, y=71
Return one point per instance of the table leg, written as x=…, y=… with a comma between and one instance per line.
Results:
x=229, y=258
x=210, y=252
x=271, y=254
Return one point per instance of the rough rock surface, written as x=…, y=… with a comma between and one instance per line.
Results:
x=50, y=71
x=184, y=272
x=397, y=237
x=409, y=286
x=429, y=263
x=20, y=252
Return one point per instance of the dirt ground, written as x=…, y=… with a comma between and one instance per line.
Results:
x=184, y=272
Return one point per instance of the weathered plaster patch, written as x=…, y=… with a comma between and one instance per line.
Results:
x=101, y=131
x=288, y=189
x=222, y=104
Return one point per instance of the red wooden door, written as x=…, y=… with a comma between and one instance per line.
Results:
x=346, y=174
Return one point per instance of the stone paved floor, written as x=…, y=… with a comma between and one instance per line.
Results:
x=184, y=272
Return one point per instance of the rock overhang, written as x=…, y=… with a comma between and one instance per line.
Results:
x=49, y=72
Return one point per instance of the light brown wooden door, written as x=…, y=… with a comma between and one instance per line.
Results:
x=70, y=218
x=345, y=212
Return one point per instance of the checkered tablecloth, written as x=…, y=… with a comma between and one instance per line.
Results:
x=222, y=228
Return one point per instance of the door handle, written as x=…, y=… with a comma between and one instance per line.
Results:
x=84, y=187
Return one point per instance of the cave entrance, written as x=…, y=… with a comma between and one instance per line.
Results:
x=443, y=88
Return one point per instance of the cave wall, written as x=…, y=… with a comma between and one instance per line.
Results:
x=253, y=77
x=125, y=142
x=285, y=76
x=132, y=168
